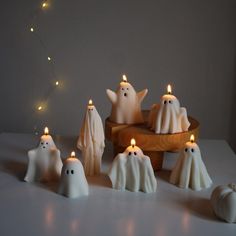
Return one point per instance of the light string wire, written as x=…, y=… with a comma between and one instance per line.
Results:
x=54, y=83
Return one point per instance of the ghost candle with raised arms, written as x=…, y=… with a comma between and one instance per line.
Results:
x=126, y=103
x=44, y=161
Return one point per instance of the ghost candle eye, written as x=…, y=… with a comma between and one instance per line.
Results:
x=192, y=150
x=130, y=153
x=122, y=88
x=47, y=143
x=135, y=153
x=67, y=172
x=186, y=150
x=170, y=101
x=165, y=102
x=72, y=172
x=41, y=143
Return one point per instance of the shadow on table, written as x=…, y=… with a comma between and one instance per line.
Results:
x=163, y=174
x=200, y=207
x=99, y=180
x=14, y=168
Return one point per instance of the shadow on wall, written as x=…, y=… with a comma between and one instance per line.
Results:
x=232, y=132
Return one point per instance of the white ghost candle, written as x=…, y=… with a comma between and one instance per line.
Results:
x=132, y=170
x=126, y=103
x=190, y=171
x=91, y=140
x=170, y=117
x=73, y=183
x=44, y=161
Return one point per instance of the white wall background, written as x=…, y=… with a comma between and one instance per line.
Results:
x=190, y=44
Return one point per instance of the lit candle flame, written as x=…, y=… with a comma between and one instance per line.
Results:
x=49, y=59
x=90, y=102
x=72, y=154
x=192, y=138
x=133, y=142
x=57, y=83
x=169, y=90
x=44, y=5
x=32, y=29
x=46, y=131
x=124, y=78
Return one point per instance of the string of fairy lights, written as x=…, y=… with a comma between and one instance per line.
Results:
x=54, y=83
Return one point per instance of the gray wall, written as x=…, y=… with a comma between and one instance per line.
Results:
x=190, y=44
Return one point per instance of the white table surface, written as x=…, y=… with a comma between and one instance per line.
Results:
x=36, y=209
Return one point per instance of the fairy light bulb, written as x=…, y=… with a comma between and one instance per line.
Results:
x=49, y=59
x=32, y=29
x=57, y=83
x=44, y=5
x=39, y=108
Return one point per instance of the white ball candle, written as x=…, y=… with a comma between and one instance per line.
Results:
x=190, y=171
x=169, y=117
x=126, y=103
x=91, y=140
x=73, y=183
x=132, y=170
x=44, y=161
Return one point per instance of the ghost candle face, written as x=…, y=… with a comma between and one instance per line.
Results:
x=191, y=148
x=125, y=91
x=190, y=171
x=73, y=182
x=46, y=141
x=170, y=118
x=134, y=150
x=126, y=103
x=90, y=105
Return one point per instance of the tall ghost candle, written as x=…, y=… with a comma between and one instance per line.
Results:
x=44, y=161
x=169, y=117
x=132, y=170
x=190, y=171
x=126, y=103
x=91, y=140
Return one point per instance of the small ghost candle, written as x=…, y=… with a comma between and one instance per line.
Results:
x=44, y=161
x=132, y=170
x=170, y=117
x=190, y=171
x=73, y=183
x=91, y=140
x=126, y=103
